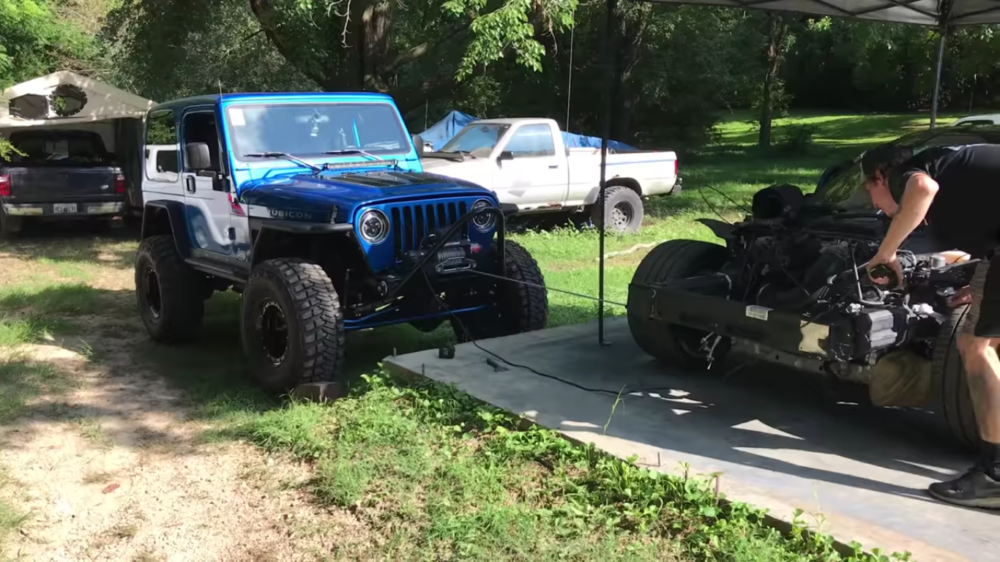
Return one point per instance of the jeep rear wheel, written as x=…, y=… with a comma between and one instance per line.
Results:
x=167, y=291
x=292, y=325
x=954, y=405
x=515, y=307
x=673, y=344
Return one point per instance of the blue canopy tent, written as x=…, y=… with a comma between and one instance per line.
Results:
x=441, y=132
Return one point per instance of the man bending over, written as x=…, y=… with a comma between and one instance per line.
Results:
x=957, y=192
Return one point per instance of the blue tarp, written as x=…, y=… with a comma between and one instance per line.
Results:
x=441, y=132
x=582, y=141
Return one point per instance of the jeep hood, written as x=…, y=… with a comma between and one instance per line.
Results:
x=346, y=192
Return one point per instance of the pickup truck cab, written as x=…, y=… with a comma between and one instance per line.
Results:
x=58, y=174
x=315, y=208
x=527, y=163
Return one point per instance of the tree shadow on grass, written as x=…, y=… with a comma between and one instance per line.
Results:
x=65, y=244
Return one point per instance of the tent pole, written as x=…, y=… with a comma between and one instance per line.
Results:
x=610, y=75
x=569, y=82
x=937, y=76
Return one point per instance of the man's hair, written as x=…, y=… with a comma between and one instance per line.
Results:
x=883, y=159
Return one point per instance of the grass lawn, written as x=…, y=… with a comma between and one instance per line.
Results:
x=430, y=472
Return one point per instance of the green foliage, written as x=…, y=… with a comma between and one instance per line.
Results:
x=509, y=27
x=443, y=473
x=34, y=41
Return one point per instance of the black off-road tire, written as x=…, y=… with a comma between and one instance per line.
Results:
x=301, y=295
x=167, y=292
x=954, y=405
x=519, y=308
x=676, y=259
x=622, y=208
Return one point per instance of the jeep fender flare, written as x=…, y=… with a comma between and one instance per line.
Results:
x=166, y=217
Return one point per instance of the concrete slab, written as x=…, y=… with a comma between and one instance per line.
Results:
x=778, y=440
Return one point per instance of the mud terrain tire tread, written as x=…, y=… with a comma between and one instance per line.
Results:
x=530, y=304
x=955, y=406
x=182, y=309
x=675, y=259
x=315, y=321
x=618, y=194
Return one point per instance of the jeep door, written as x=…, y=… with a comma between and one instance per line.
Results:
x=162, y=180
x=206, y=197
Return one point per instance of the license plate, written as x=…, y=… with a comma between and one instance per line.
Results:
x=64, y=208
x=757, y=312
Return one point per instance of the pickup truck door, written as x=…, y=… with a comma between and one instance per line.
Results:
x=206, y=199
x=530, y=172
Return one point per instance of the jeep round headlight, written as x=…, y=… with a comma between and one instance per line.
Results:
x=484, y=221
x=373, y=227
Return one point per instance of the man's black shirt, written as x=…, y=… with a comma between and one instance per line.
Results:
x=965, y=213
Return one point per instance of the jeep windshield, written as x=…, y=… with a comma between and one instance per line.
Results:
x=315, y=130
x=477, y=140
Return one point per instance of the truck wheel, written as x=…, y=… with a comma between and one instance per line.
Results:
x=670, y=343
x=954, y=404
x=168, y=292
x=622, y=209
x=293, y=328
x=519, y=308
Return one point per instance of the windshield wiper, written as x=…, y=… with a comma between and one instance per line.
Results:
x=353, y=151
x=286, y=156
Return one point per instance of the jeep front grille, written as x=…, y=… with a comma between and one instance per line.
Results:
x=411, y=223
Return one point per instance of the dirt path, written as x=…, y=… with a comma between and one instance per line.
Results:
x=112, y=468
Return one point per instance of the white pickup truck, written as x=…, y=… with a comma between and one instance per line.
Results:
x=526, y=162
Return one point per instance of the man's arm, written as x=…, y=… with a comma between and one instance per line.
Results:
x=917, y=198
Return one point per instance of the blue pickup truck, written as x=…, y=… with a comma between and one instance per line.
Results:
x=315, y=207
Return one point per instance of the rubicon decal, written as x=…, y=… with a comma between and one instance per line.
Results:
x=283, y=214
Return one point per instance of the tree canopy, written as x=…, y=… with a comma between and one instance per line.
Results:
x=680, y=67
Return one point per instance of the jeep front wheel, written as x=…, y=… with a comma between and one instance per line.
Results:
x=292, y=325
x=167, y=291
x=515, y=306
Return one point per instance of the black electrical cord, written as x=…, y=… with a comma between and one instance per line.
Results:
x=470, y=339
x=731, y=200
x=712, y=207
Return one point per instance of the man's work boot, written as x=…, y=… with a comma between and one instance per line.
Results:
x=978, y=487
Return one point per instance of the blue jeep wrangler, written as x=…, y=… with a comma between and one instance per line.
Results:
x=315, y=207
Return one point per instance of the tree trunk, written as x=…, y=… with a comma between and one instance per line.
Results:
x=777, y=31
x=629, y=34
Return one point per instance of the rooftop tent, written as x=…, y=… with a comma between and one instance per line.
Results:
x=441, y=132
x=66, y=98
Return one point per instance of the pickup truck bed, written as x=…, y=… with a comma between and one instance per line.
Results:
x=527, y=164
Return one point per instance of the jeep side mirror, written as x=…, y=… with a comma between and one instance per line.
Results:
x=418, y=144
x=197, y=157
x=505, y=155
